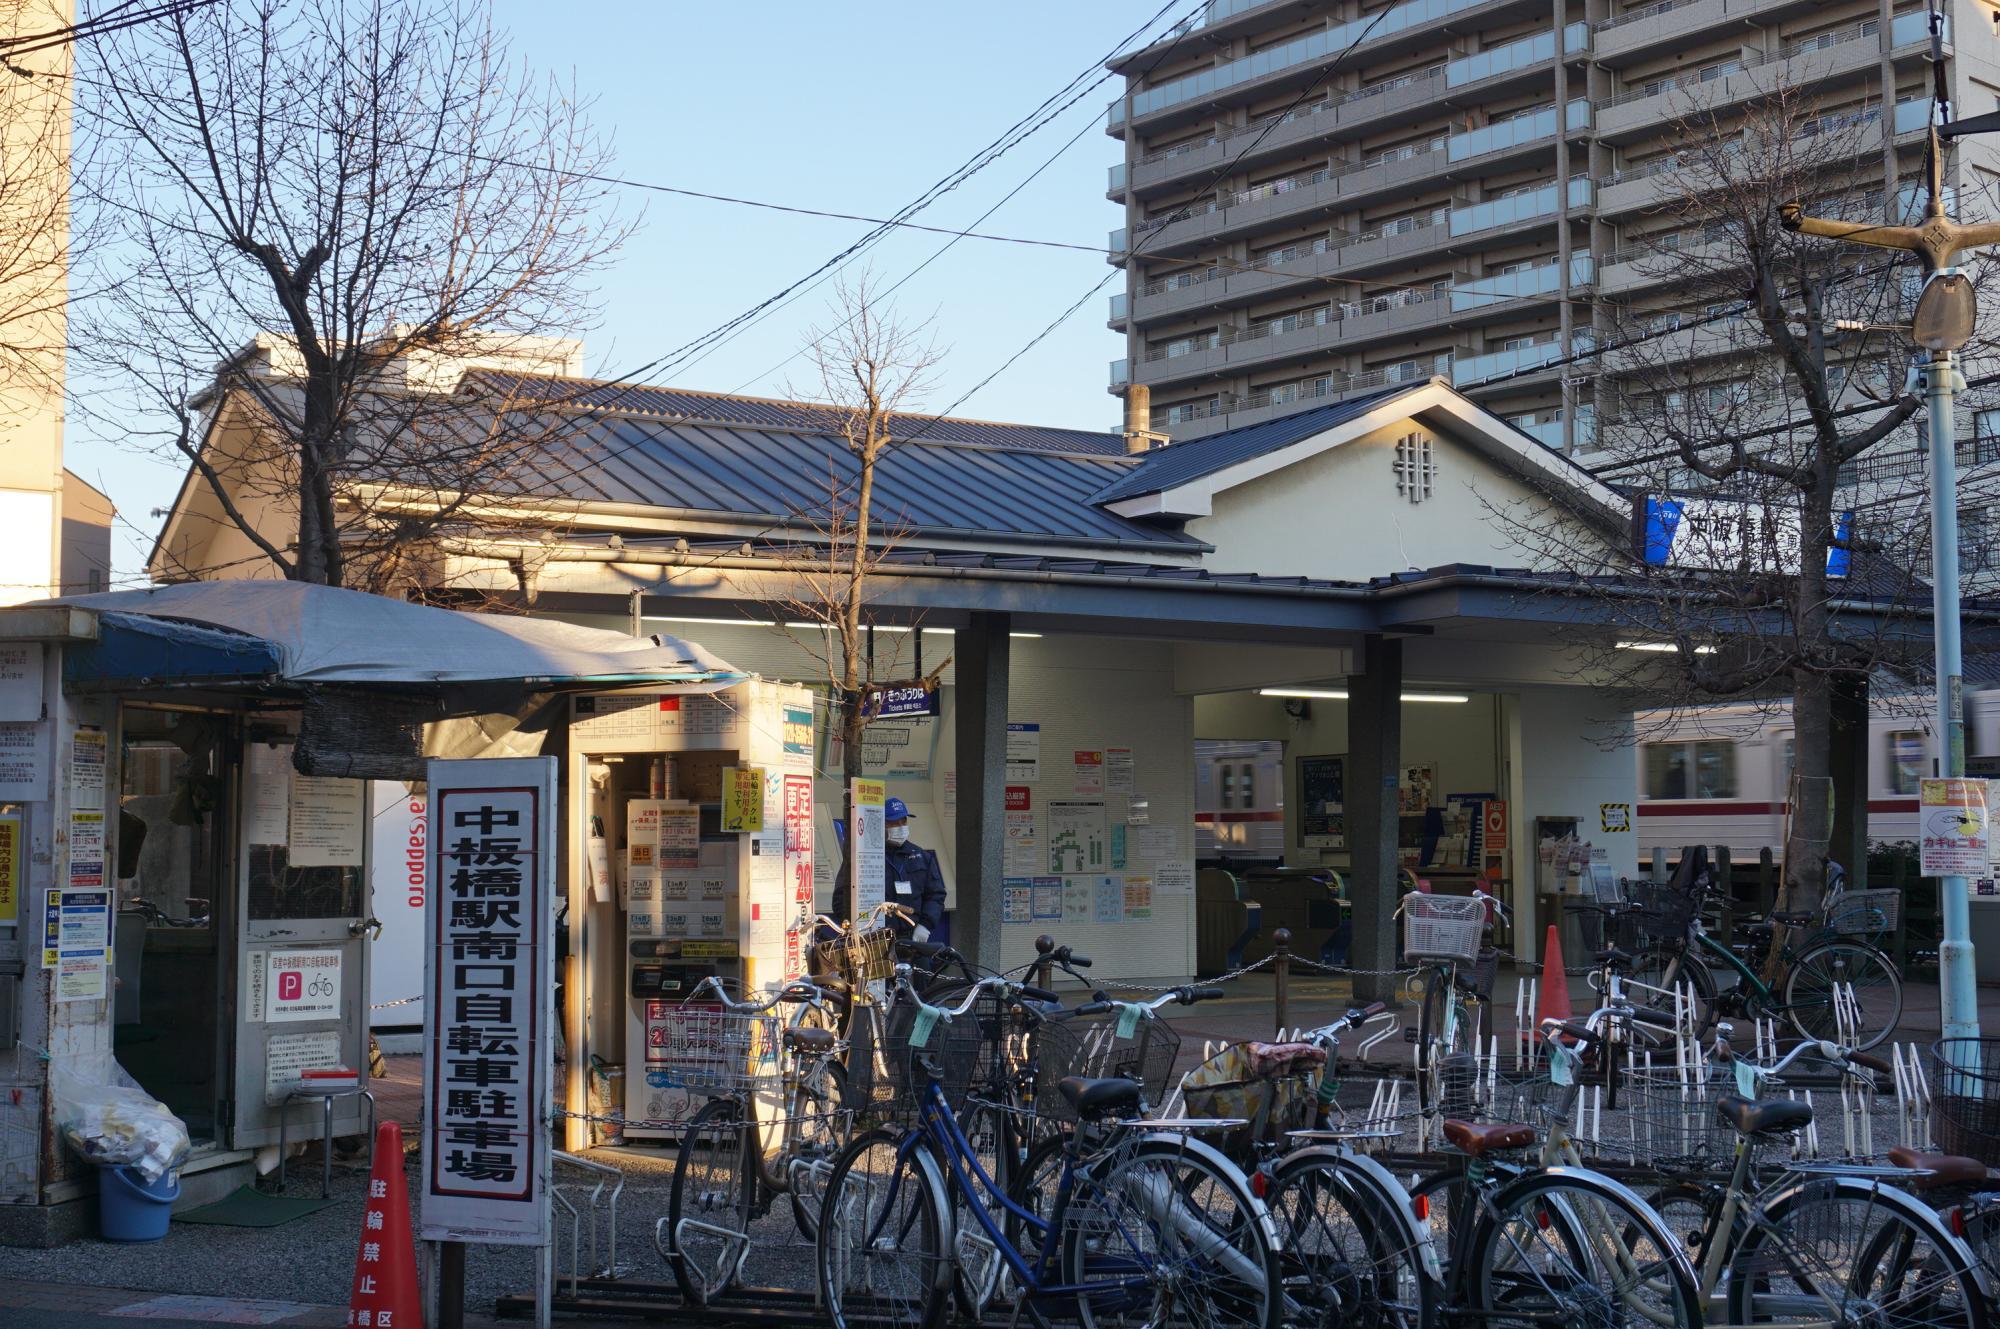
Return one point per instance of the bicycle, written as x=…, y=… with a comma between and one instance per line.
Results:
x=1445, y=935
x=759, y=1136
x=1144, y=1224
x=1815, y=975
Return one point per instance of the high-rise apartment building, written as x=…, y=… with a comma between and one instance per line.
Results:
x=1326, y=196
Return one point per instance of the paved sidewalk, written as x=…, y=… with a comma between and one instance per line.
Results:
x=37, y=1305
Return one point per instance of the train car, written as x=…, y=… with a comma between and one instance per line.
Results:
x=1720, y=776
x=1239, y=800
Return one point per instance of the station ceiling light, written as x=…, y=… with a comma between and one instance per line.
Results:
x=1340, y=694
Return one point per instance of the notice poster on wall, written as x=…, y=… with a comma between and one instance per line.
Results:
x=1154, y=844
x=1078, y=838
x=21, y=680
x=1021, y=849
x=10, y=870
x=1088, y=775
x=24, y=762
x=1107, y=896
x=1118, y=830
x=1118, y=771
x=267, y=819
x=1173, y=878
x=1953, y=826
x=1076, y=899
x=86, y=768
x=1047, y=901
x=302, y=984
x=327, y=822
x=1138, y=897
x=1017, y=900
x=1024, y=753
x=680, y=839
x=1323, y=802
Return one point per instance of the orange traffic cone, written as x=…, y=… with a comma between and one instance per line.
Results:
x=385, y=1268
x=1553, y=1001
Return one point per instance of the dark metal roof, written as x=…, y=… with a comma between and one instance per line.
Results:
x=1178, y=463
x=679, y=405
x=789, y=476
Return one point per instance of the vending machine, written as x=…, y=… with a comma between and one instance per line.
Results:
x=699, y=829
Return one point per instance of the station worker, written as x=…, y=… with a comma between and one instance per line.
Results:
x=915, y=880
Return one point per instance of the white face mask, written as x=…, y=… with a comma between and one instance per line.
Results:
x=899, y=835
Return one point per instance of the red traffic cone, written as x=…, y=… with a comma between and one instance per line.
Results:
x=1553, y=1001
x=385, y=1268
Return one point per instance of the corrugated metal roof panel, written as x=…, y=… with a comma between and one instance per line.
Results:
x=675, y=404
x=760, y=474
x=1178, y=463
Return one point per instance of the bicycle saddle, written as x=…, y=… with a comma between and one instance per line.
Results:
x=1477, y=1138
x=1765, y=1116
x=1097, y=1099
x=806, y=1038
x=1945, y=1169
x=1616, y=958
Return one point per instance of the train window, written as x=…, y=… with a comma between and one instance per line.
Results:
x=1705, y=769
x=1249, y=785
x=1228, y=785
x=1906, y=760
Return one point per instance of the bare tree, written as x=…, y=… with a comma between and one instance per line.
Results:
x=872, y=371
x=1740, y=396
x=328, y=209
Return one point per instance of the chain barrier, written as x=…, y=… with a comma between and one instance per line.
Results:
x=389, y=1005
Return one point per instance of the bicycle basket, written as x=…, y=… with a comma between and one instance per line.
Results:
x=1271, y=1086
x=1865, y=913
x=1479, y=976
x=888, y=1074
x=1656, y=914
x=859, y=957
x=1443, y=927
x=1092, y=1047
x=708, y=1048
x=1965, y=1097
x=1666, y=1118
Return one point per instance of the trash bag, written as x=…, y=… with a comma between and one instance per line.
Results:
x=109, y=1120
x=1270, y=1085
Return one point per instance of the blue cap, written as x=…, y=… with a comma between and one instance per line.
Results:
x=895, y=810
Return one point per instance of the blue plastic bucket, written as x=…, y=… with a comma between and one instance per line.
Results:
x=130, y=1210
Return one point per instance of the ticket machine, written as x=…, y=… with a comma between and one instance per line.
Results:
x=697, y=825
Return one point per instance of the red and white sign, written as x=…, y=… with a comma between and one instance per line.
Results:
x=302, y=985
x=1495, y=822
x=488, y=987
x=1019, y=798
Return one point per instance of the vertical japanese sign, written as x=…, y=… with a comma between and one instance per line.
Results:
x=743, y=798
x=799, y=869
x=867, y=846
x=488, y=1011
x=10, y=870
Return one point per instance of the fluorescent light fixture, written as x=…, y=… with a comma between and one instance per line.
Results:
x=1663, y=647
x=940, y=632
x=713, y=622
x=1026, y=636
x=1340, y=694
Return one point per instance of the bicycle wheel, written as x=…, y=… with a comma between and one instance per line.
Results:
x=1838, y=1250
x=1659, y=972
x=708, y=1207
x=1164, y=1232
x=881, y=1250
x=1878, y=991
x=1343, y=1261
x=1444, y=1032
x=1574, y=1248
x=978, y=1269
x=816, y=1127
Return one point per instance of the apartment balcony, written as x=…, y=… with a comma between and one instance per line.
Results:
x=1120, y=374
x=1513, y=365
x=1323, y=192
x=1647, y=186
x=1117, y=317
x=1114, y=187
x=1847, y=53
x=1236, y=412
x=1500, y=294
x=1473, y=80
x=1398, y=317
x=1647, y=30
x=1519, y=209
x=1410, y=25
x=1549, y=433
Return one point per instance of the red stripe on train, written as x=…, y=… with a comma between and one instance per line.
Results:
x=1722, y=807
x=1239, y=816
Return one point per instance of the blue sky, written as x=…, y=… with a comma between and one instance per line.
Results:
x=852, y=108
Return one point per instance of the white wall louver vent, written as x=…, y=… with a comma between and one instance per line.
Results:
x=1416, y=472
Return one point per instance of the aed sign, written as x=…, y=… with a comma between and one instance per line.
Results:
x=302, y=985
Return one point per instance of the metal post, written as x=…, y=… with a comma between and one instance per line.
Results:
x=1956, y=975
x=451, y=1285
x=1281, y=970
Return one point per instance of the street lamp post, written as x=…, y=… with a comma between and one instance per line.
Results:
x=1943, y=324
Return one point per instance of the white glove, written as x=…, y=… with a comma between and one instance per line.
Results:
x=920, y=933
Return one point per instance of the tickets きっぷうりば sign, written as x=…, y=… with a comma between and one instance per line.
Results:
x=488, y=983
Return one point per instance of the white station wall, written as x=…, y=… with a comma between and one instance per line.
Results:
x=1087, y=694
